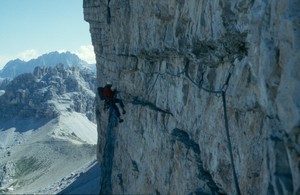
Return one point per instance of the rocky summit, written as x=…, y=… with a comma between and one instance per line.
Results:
x=48, y=92
x=211, y=90
x=16, y=67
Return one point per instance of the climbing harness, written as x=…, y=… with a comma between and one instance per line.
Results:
x=222, y=92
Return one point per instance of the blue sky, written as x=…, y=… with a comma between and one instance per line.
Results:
x=30, y=28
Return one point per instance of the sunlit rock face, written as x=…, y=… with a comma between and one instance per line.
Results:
x=160, y=55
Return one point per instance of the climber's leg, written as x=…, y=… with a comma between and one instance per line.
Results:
x=117, y=112
x=120, y=102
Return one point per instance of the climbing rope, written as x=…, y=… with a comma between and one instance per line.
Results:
x=222, y=91
x=236, y=183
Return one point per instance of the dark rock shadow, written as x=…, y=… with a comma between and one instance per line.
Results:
x=86, y=183
x=108, y=155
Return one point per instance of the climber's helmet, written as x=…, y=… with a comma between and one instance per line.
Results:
x=108, y=83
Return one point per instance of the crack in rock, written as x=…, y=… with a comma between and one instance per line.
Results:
x=108, y=19
x=150, y=105
x=183, y=137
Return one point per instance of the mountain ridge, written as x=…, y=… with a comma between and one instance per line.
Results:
x=17, y=66
x=49, y=91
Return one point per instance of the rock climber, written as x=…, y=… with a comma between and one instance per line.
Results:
x=110, y=99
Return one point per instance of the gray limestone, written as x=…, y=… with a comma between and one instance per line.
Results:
x=164, y=56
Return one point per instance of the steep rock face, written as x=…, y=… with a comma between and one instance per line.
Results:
x=164, y=57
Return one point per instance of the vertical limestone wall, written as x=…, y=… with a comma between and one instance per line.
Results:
x=161, y=56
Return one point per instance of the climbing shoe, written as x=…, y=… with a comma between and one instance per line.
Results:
x=121, y=120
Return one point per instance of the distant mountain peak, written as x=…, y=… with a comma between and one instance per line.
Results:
x=17, y=60
x=16, y=67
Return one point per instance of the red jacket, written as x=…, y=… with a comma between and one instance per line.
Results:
x=108, y=93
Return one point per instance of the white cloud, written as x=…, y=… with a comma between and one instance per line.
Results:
x=25, y=55
x=3, y=60
x=28, y=55
x=62, y=51
x=86, y=53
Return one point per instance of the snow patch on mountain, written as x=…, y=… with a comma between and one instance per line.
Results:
x=77, y=131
